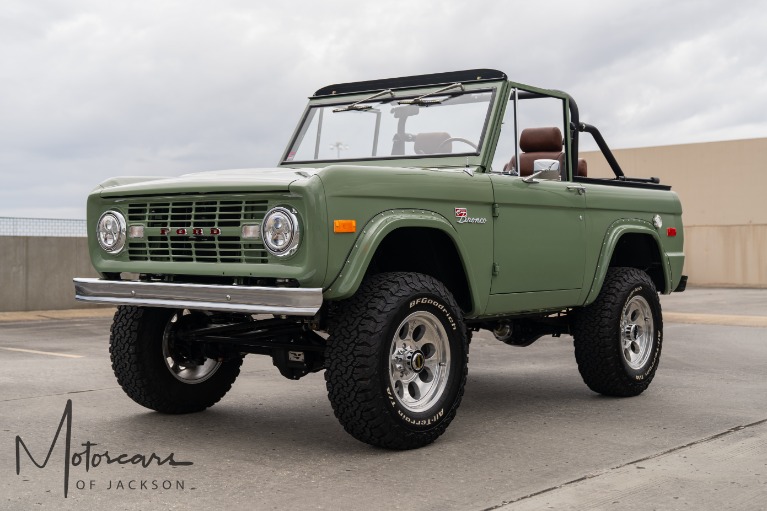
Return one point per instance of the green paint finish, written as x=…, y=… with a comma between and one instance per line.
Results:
x=539, y=236
x=523, y=247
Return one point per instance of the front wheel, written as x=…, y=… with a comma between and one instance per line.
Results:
x=397, y=361
x=158, y=369
x=618, y=338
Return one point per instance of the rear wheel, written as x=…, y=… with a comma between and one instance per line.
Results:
x=158, y=369
x=397, y=359
x=618, y=338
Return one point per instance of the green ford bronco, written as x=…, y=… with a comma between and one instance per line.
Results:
x=404, y=215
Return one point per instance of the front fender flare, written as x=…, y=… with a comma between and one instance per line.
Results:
x=375, y=231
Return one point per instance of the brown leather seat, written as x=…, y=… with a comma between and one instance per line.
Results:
x=540, y=144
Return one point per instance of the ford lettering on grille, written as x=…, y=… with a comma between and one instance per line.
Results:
x=200, y=229
x=196, y=231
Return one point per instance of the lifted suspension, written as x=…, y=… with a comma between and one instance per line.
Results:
x=296, y=350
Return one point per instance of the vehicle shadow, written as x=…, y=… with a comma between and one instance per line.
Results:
x=307, y=422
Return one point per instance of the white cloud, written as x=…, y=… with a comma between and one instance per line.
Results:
x=90, y=90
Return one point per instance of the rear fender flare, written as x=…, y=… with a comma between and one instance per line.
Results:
x=614, y=234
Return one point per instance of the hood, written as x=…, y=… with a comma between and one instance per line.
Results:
x=237, y=180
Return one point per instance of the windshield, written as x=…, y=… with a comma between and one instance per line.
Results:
x=444, y=124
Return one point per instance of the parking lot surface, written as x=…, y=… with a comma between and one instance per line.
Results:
x=528, y=435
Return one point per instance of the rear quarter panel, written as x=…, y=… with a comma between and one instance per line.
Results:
x=612, y=210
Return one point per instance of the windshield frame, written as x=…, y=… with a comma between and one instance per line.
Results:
x=472, y=157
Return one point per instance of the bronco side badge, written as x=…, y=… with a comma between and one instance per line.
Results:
x=462, y=217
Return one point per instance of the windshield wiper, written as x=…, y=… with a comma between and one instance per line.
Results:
x=359, y=106
x=422, y=101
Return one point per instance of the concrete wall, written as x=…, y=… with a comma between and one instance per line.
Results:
x=36, y=272
x=722, y=187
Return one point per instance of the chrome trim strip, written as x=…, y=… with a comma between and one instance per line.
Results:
x=293, y=301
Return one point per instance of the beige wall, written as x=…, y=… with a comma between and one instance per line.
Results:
x=722, y=186
x=36, y=272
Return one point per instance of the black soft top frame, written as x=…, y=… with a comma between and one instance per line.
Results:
x=470, y=75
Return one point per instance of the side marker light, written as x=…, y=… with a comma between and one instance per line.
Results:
x=344, y=226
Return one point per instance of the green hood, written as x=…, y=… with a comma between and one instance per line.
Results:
x=266, y=180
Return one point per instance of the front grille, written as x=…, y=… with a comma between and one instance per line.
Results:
x=213, y=229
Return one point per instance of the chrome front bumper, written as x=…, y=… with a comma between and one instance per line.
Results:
x=291, y=301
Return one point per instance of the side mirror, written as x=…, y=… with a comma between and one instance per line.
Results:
x=544, y=169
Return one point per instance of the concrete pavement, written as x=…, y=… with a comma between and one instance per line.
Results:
x=724, y=471
x=528, y=435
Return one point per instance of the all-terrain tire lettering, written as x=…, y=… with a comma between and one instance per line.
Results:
x=357, y=355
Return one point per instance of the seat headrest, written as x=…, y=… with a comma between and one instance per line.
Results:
x=538, y=140
x=582, y=168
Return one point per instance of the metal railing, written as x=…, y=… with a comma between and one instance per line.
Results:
x=54, y=227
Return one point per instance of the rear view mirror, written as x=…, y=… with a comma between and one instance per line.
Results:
x=405, y=111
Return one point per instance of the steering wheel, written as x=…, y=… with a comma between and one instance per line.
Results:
x=458, y=139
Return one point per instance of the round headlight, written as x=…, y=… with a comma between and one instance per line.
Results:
x=110, y=232
x=279, y=230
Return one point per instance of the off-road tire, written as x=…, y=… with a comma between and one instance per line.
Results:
x=599, y=338
x=135, y=347
x=359, y=358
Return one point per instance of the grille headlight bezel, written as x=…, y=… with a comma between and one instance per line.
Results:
x=111, y=232
x=280, y=231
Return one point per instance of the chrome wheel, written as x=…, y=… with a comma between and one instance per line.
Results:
x=183, y=367
x=419, y=361
x=637, y=332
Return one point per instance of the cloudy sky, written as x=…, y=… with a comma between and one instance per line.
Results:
x=92, y=89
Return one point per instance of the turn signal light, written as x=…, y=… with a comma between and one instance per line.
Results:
x=671, y=231
x=136, y=231
x=251, y=231
x=344, y=226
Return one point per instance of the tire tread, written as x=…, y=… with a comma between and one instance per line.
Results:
x=596, y=330
x=352, y=376
x=131, y=351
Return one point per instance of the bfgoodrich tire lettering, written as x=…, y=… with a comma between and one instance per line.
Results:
x=139, y=350
x=397, y=361
x=618, y=338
